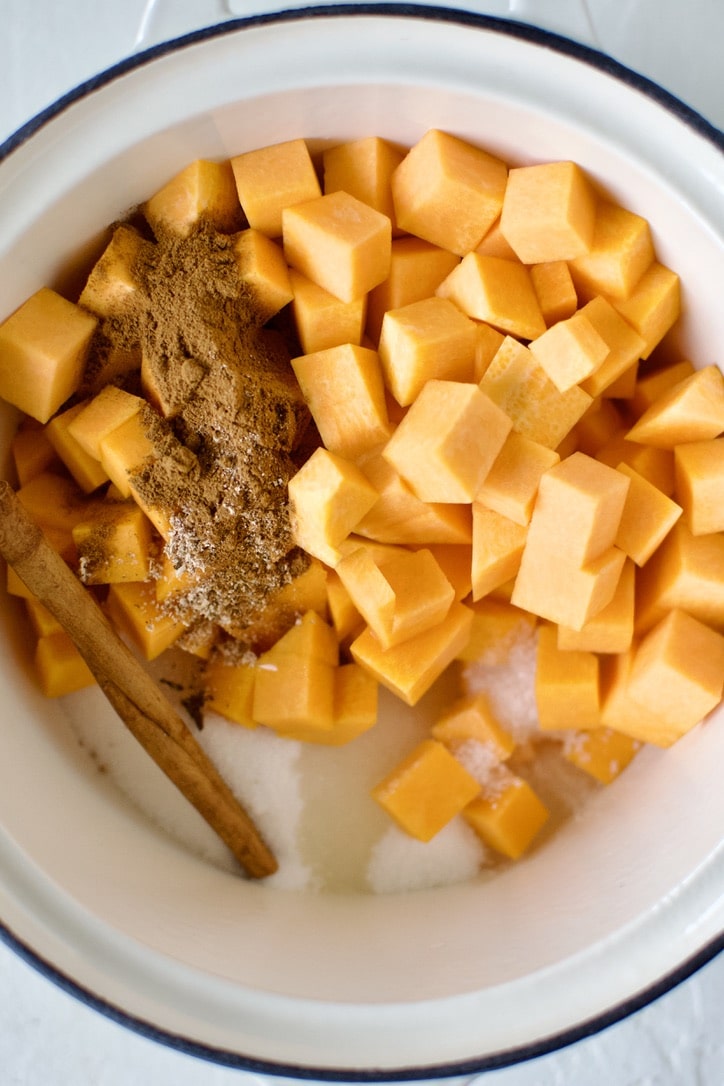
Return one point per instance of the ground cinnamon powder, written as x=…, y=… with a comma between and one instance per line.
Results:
x=226, y=418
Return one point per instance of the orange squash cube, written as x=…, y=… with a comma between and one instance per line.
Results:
x=471, y=718
x=621, y=713
x=323, y=321
x=31, y=451
x=86, y=470
x=339, y=243
x=498, y=544
x=416, y=270
x=203, y=191
x=548, y=212
x=43, y=347
x=699, y=488
x=554, y=290
x=509, y=817
x=328, y=496
x=426, y=790
x=112, y=286
x=133, y=607
x=269, y=179
x=656, y=383
x=495, y=627
x=620, y=252
x=116, y=545
x=686, y=572
x=294, y=695
x=692, y=410
x=448, y=191
x=59, y=666
x=364, y=169
x=447, y=442
x=600, y=752
x=497, y=291
x=612, y=629
x=648, y=517
x=511, y=486
x=561, y=591
x=262, y=265
x=570, y=351
x=230, y=690
x=653, y=306
x=567, y=688
x=99, y=417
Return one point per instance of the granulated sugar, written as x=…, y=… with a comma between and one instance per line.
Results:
x=509, y=684
x=399, y=863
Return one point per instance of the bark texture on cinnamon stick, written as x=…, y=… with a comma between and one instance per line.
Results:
x=129, y=688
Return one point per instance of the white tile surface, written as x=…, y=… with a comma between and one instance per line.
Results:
x=46, y=1036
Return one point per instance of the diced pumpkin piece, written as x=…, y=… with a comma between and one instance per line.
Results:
x=494, y=244
x=625, y=347
x=416, y=270
x=31, y=451
x=262, y=265
x=508, y=817
x=411, y=668
x=399, y=597
x=678, y=671
x=693, y=410
x=520, y=387
x=497, y=291
x=429, y=339
x=653, y=305
x=560, y=591
x=43, y=347
x=399, y=516
x=294, y=695
x=328, y=496
x=99, y=417
x=699, y=487
x=495, y=627
x=345, y=617
x=602, y=420
x=656, y=465
x=511, y=486
x=455, y=560
x=115, y=545
x=447, y=442
x=472, y=718
x=612, y=629
x=339, y=243
x=554, y=290
x=489, y=341
x=648, y=517
x=655, y=383
x=355, y=704
x=364, y=169
x=271, y=178
x=86, y=470
x=548, y=212
x=54, y=501
x=686, y=572
x=426, y=790
x=621, y=713
x=323, y=321
x=570, y=351
x=307, y=592
x=310, y=637
x=566, y=685
x=60, y=667
x=230, y=690
x=344, y=389
x=448, y=191
x=601, y=752
x=497, y=550
x=134, y=609
x=620, y=252
x=112, y=286
x=203, y=191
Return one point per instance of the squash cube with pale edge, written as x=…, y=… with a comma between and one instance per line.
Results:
x=203, y=191
x=328, y=496
x=133, y=607
x=401, y=596
x=612, y=629
x=448, y=192
x=399, y=516
x=86, y=470
x=447, y=442
x=101, y=416
x=116, y=545
x=567, y=691
x=511, y=486
x=321, y=320
x=554, y=290
x=625, y=345
x=678, y=671
x=230, y=690
x=548, y=212
x=426, y=790
x=60, y=667
x=345, y=392
x=269, y=179
x=498, y=545
x=699, y=473
x=489, y=288
x=621, y=713
x=601, y=752
x=364, y=169
x=509, y=817
x=263, y=267
x=693, y=410
x=472, y=718
x=416, y=270
x=579, y=508
x=559, y=590
x=112, y=287
x=411, y=668
x=339, y=243
x=653, y=306
x=620, y=252
x=686, y=572
x=648, y=517
x=425, y=340
x=570, y=351
x=521, y=387
x=43, y=347
x=294, y=695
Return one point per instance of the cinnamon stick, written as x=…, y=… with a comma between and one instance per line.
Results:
x=129, y=688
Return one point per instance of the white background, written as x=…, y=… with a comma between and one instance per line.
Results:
x=47, y=1038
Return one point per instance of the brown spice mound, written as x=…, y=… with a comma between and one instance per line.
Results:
x=228, y=417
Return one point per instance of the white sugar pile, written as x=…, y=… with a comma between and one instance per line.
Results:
x=399, y=862
x=509, y=684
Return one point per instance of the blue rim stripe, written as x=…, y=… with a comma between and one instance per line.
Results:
x=523, y=1053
